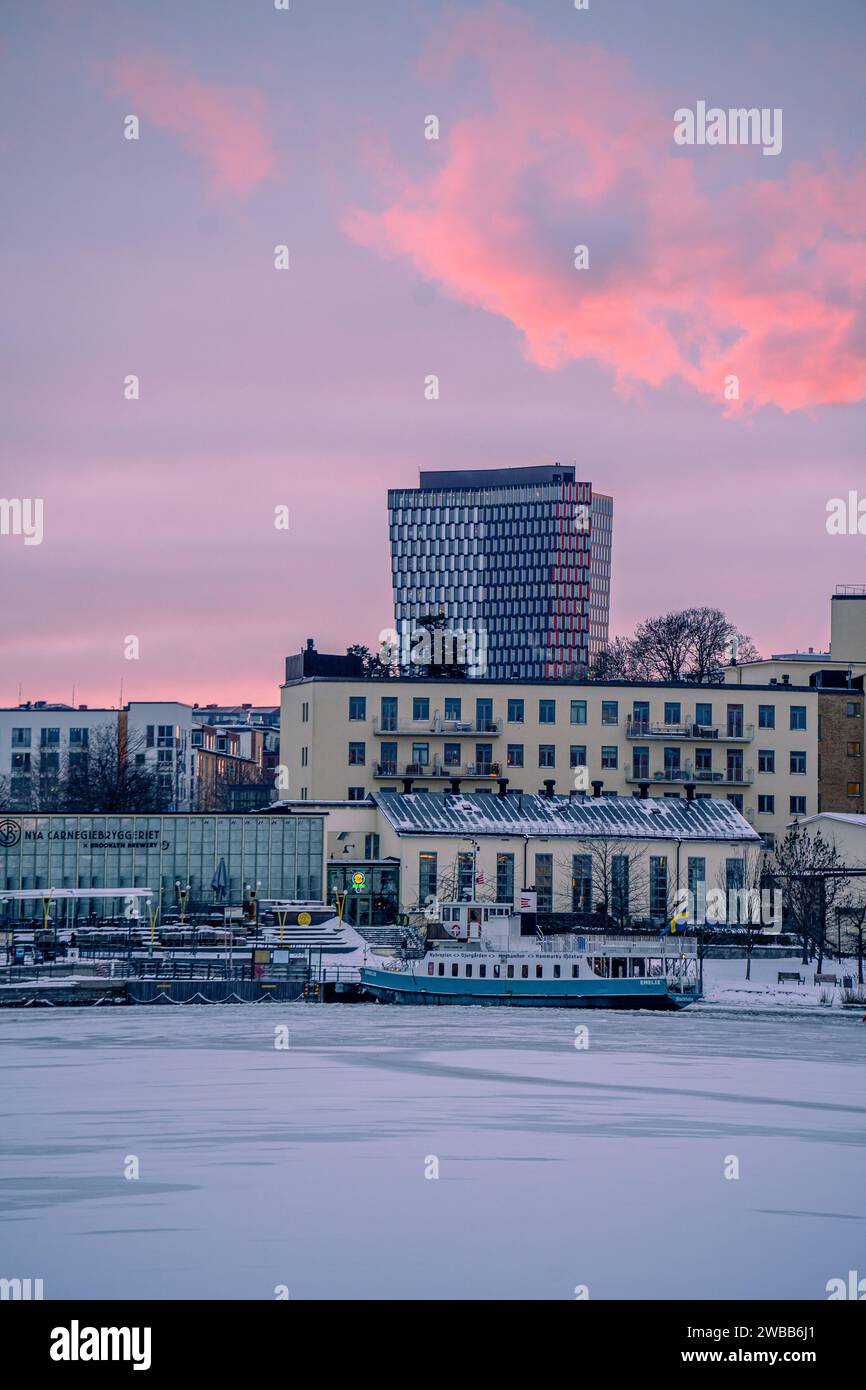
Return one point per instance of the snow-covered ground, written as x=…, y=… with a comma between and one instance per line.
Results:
x=558, y=1165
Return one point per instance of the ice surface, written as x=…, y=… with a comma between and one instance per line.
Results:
x=558, y=1166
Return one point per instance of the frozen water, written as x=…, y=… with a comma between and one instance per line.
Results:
x=557, y=1166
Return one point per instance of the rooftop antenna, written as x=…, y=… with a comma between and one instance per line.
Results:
x=120, y=706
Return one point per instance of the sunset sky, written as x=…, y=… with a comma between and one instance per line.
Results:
x=409, y=257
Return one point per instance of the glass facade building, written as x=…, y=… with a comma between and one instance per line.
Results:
x=520, y=554
x=282, y=853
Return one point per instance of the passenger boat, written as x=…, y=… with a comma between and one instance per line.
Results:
x=486, y=953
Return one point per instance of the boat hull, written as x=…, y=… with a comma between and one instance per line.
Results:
x=393, y=987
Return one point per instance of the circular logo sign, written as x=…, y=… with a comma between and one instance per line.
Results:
x=10, y=833
x=359, y=878
x=304, y=919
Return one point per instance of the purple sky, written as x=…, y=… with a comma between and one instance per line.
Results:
x=411, y=257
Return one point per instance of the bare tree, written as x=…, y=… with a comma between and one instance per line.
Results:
x=754, y=882
x=113, y=776
x=693, y=644
x=810, y=893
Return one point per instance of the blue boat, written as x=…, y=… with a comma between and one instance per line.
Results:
x=485, y=953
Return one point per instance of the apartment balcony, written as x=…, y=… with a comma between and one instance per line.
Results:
x=677, y=776
x=700, y=733
x=436, y=770
x=457, y=728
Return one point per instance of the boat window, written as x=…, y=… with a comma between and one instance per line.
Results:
x=496, y=972
x=575, y=972
x=454, y=967
x=468, y=971
x=539, y=971
x=510, y=972
x=524, y=971
x=482, y=971
x=430, y=968
x=441, y=967
x=557, y=971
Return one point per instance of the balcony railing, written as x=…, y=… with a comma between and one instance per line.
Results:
x=465, y=728
x=436, y=769
x=727, y=777
x=701, y=733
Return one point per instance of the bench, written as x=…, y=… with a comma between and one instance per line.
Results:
x=789, y=975
x=825, y=979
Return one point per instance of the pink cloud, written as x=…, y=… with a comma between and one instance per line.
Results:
x=226, y=127
x=764, y=279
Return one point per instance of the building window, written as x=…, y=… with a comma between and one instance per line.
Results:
x=704, y=760
x=465, y=875
x=49, y=738
x=736, y=801
x=79, y=738
x=798, y=716
x=704, y=715
x=355, y=794
x=421, y=707
x=855, y=750
x=769, y=840
x=581, y=883
x=357, y=754
x=610, y=711
x=798, y=762
x=766, y=716
x=609, y=756
x=577, y=755
x=427, y=876
x=547, y=711
x=505, y=878
x=854, y=789
x=798, y=805
x=515, y=711
x=388, y=716
x=305, y=714
x=305, y=754
x=514, y=755
x=766, y=760
x=578, y=711
x=357, y=707
x=658, y=885
x=451, y=754
x=371, y=846
x=484, y=716
x=766, y=804
x=640, y=712
x=453, y=706
x=304, y=794
x=420, y=755
x=547, y=755
x=640, y=763
x=20, y=738
x=619, y=885
x=853, y=709
x=544, y=881
x=672, y=712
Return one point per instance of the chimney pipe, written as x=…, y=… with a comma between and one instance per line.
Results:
x=597, y=786
x=549, y=784
x=407, y=785
x=503, y=786
x=690, y=791
x=455, y=786
x=643, y=787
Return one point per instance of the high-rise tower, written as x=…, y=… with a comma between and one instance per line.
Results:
x=521, y=554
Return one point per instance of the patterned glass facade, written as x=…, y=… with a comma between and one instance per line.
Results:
x=283, y=854
x=527, y=562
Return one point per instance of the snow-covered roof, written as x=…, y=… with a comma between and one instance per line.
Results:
x=847, y=817
x=623, y=817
